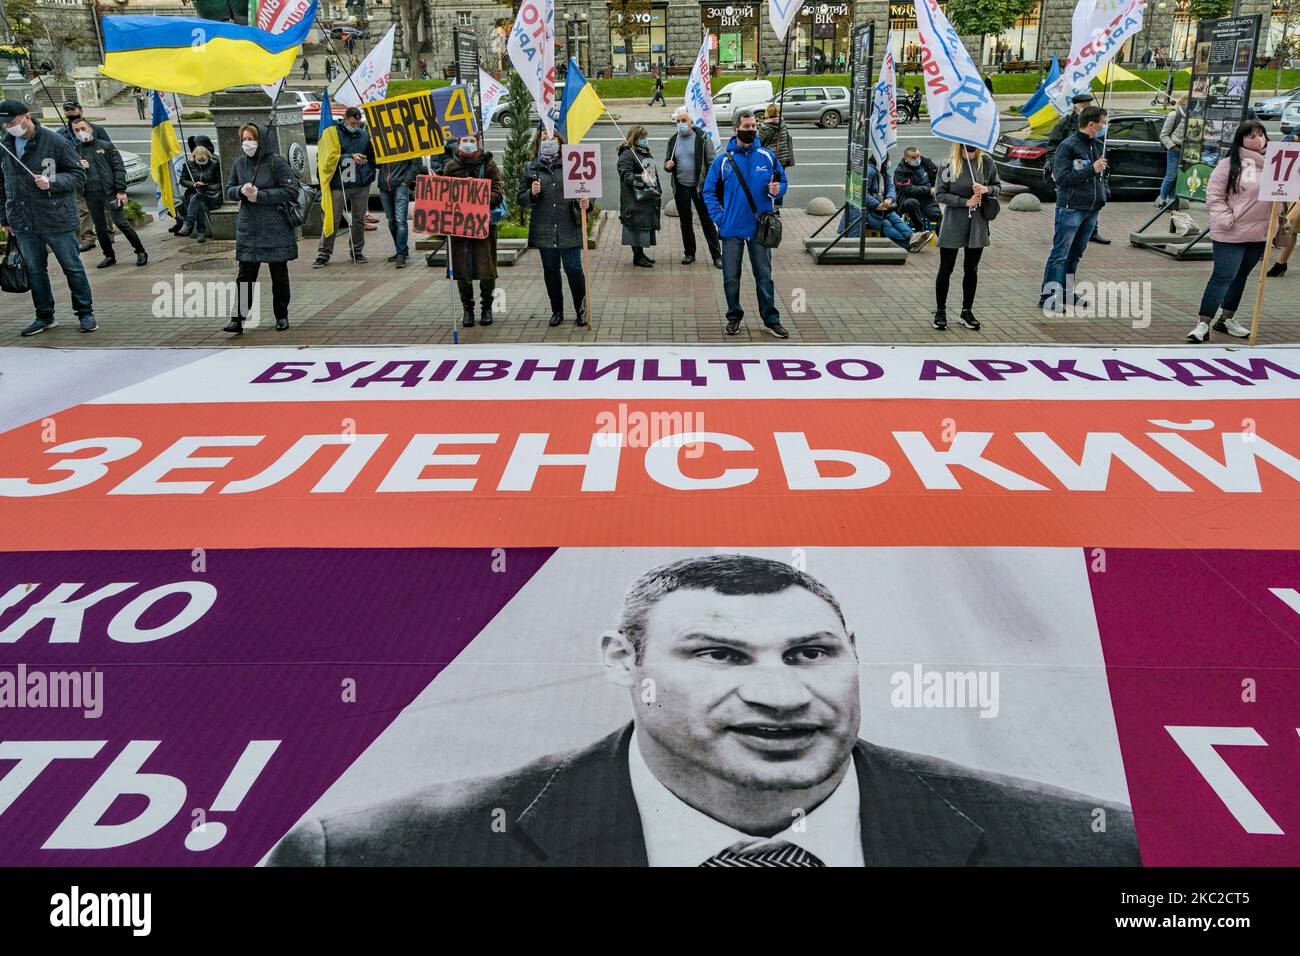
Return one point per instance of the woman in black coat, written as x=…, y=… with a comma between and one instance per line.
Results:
x=261, y=182
x=201, y=180
x=637, y=173
x=554, y=224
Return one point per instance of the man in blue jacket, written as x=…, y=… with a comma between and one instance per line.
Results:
x=350, y=186
x=1079, y=168
x=737, y=221
x=881, y=199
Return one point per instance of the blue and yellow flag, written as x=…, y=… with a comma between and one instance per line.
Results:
x=580, y=107
x=163, y=148
x=194, y=56
x=1039, y=99
x=327, y=160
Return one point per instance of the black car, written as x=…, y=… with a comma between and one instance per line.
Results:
x=1137, y=160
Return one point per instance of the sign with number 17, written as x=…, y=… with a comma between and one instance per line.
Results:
x=582, y=171
x=1280, y=179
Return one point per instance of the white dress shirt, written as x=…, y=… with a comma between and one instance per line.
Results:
x=676, y=834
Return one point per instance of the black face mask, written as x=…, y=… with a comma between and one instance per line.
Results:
x=746, y=136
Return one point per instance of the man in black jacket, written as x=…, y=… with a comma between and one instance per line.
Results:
x=350, y=186
x=747, y=754
x=915, y=179
x=105, y=191
x=1066, y=127
x=1079, y=168
x=86, y=229
x=690, y=154
x=38, y=207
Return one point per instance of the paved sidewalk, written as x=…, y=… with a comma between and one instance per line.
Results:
x=373, y=303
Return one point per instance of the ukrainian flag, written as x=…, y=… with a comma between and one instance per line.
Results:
x=327, y=160
x=580, y=107
x=163, y=148
x=1039, y=99
x=194, y=56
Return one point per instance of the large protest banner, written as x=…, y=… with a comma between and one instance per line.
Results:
x=404, y=126
x=452, y=206
x=1037, y=605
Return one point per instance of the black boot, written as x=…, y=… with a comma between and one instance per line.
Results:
x=967, y=318
x=235, y=325
x=1277, y=270
x=281, y=323
x=581, y=321
x=467, y=316
x=186, y=229
x=486, y=317
x=141, y=257
x=556, y=318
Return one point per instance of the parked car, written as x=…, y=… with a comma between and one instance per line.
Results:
x=1137, y=160
x=1272, y=107
x=309, y=103
x=504, y=114
x=1291, y=117
x=136, y=170
x=739, y=95
x=827, y=106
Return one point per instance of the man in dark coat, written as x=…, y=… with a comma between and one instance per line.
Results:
x=87, y=232
x=1066, y=127
x=915, y=181
x=475, y=258
x=40, y=211
x=105, y=191
x=261, y=181
x=350, y=186
x=690, y=154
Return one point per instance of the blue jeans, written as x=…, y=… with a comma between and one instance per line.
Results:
x=1074, y=227
x=892, y=226
x=1170, y=184
x=1233, y=263
x=760, y=260
x=33, y=246
x=395, y=202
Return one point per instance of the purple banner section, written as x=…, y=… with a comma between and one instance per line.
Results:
x=1203, y=659
x=186, y=708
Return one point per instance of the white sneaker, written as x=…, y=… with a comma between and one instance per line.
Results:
x=1233, y=328
x=918, y=241
x=1199, y=334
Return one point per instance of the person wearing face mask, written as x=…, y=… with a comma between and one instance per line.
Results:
x=350, y=186
x=1079, y=169
x=105, y=192
x=261, y=181
x=775, y=135
x=728, y=199
x=86, y=232
x=968, y=179
x=201, y=180
x=639, y=195
x=475, y=258
x=554, y=225
x=915, y=180
x=881, y=199
x=690, y=154
x=1238, y=231
x=38, y=207
x=1066, y=127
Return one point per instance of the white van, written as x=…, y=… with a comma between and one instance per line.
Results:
x=739, y=95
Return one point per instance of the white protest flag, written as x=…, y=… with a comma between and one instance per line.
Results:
x=781, y=13
x=532, y=52
x=1099, y=28
x=369, y=81
x=961, y=107
x=699, y=96
x=489, y=94
x=883, y=133
x=276, y=16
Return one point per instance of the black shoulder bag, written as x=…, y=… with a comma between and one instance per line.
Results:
x=767, y=225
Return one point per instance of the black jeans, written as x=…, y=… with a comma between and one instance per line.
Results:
x=1233, y=263
x=466, y=289
x=969, y=276
x=686, y=197
x=571, y=260
x=919, y=213
x=103, y=205
x=196, y=210
x=279, y=288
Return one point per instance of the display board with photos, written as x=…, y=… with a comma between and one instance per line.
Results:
x=1222, y=68
x=861, y=62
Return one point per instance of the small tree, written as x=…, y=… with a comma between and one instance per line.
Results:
x=629, y=26
x=1288, y=11
x=518, y=145
x=987, y=17
x=1209, y=9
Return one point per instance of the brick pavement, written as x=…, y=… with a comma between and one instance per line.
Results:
x=375, y=304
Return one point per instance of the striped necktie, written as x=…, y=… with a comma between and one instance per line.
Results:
x=781, y=854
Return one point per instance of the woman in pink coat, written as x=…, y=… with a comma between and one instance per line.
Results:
x=1238, y=230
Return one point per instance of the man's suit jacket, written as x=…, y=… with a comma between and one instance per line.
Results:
x=578, y=810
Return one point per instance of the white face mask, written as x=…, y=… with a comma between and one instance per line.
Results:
x=16, y=130
x=85, y=135
x=249, y=146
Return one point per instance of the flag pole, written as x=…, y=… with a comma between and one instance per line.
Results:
x=780, y=116
x=1273, y=209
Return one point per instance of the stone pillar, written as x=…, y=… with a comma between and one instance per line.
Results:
x=230, y=110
